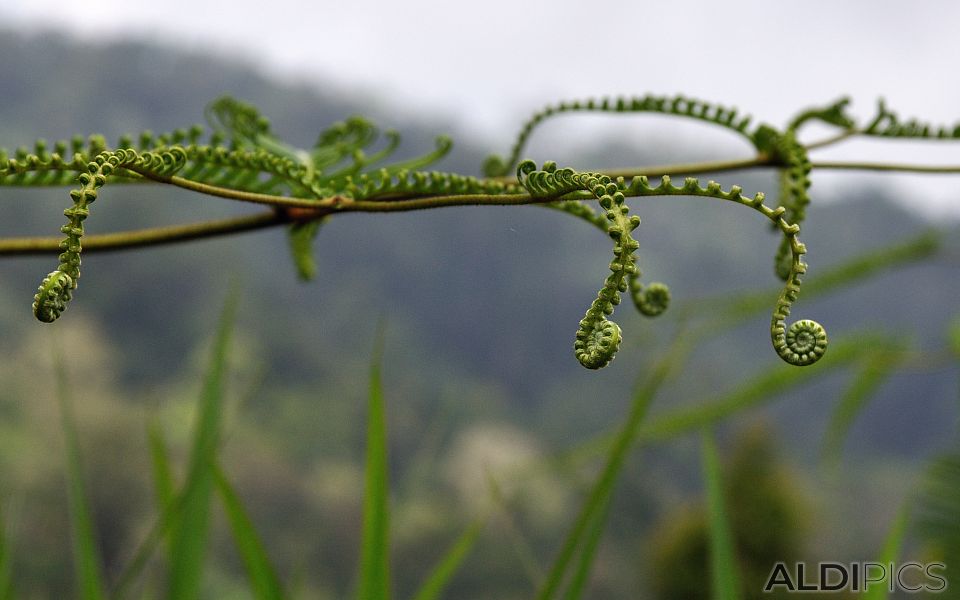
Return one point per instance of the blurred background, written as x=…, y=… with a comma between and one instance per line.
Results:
x=481, y=304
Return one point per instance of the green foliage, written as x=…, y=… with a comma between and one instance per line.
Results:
x=938, y=513
x=448, y=565
x=876, y=368
x=676, y=105
x=6, y=560
x=89, y=572
x=301, y=236
x=751, y=519
x=724, y=572
x=887, y=123
x=586, y=530
x=264, y=580
x=245, y=161
x=188, y=537
x=375, y=547
x=345, y=171
x=890, y=552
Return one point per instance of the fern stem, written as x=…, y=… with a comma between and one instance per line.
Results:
x=145, y=237
x=900, y=167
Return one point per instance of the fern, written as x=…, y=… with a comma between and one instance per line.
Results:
x=347, y=170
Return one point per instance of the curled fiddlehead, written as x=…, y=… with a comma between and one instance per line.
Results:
x=651, y=300
x=682, y=106
x=598, y=338
x=56, y=290
x=256, y=163
x=805, y=341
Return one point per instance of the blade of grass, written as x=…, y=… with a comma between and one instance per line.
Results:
x=761, y=389
x=875, y=370
x=890, y=552
x=521, y=546
x=141, y=556
x=160, y=461
x=88, y=570
x=724, y=571
x=162, y=475
x=582, y=573
x=756, y=392
x=375, y=551
x=449, y=563
x=264, y=581
x=189, y=538
x=603, y=488
x=733, y=309
x=6, y=559
x=938, y=514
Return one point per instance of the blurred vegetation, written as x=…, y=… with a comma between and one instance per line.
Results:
x=486, y=411
x=768, y=518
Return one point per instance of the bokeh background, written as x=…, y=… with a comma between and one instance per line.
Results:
x=480, y=304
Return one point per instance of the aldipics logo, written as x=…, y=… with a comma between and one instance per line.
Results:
x=910, y=577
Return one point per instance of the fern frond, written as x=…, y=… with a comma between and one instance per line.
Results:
x=598, y=338
x=56, y=290
x=681, y=106
x=887, y=123
x=805, y=341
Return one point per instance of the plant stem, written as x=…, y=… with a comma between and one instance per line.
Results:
x=829, y=141
x=298, y=209
x=898, y=167
x=145, y=237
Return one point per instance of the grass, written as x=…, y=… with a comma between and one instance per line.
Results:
x=587, y=528
x=87, y=568
x=183, y=522
x=375, y=549
x=724, y=571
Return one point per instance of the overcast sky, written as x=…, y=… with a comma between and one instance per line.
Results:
x=488, y=64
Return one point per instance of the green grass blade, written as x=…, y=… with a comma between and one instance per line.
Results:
x=449, y=564
x=724, y=571
x=263, y=578
x=88, y=569
x=164, y=523
x=6, y=559
x=938, y=515
x=603, y=488
x=761, y=389
x=875, y=370
x=733, y=309
x=889, y=553
x=160, y=462
x=521, y=546
x=582, y=573
x=189, y=538
x=162, y=476
x=375, y=549
x=953, y=336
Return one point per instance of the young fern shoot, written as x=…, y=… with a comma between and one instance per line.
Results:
x=244, y=160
